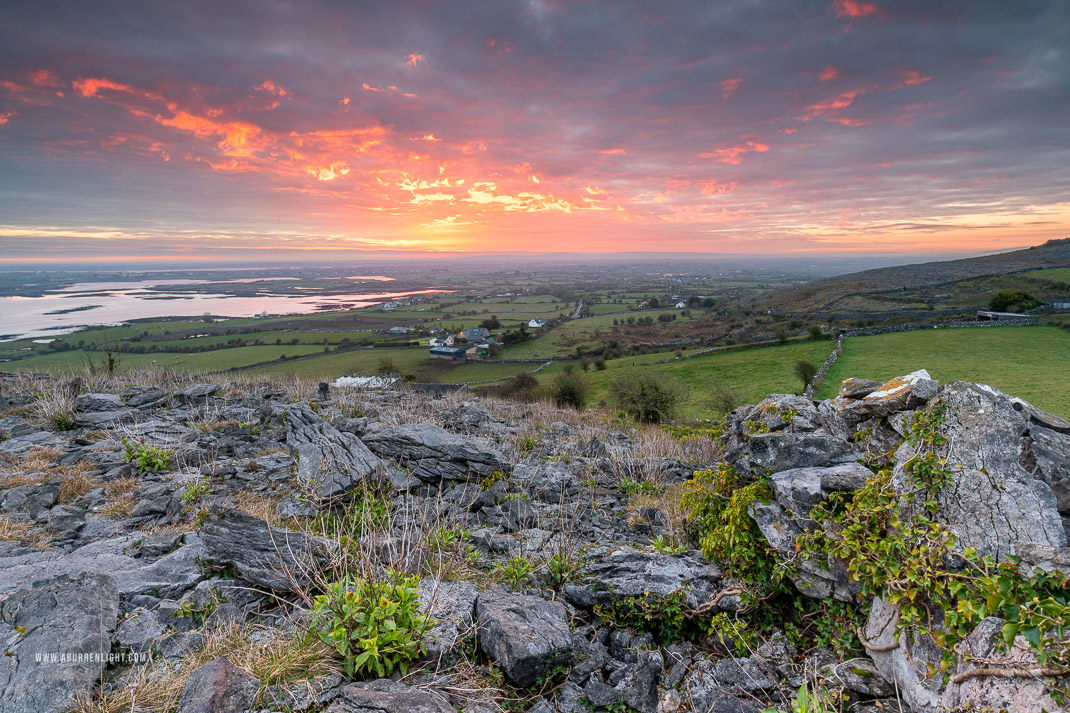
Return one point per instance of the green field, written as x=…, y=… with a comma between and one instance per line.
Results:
x=755, y=373
x=75, y=361
x=1058, y=274
x=1029, y=362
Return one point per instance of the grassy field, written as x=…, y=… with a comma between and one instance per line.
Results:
x=75, y=361
x=754, y=373
x=1058, y=274
x=1030, y=362
x=564, y=339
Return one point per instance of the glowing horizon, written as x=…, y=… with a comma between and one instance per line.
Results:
x=195, y=131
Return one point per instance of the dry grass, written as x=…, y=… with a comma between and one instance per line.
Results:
x=280, y=659
x=77, y=482
x=668, y=501
x=263, y=507
x=14, y=530
x=121, y=498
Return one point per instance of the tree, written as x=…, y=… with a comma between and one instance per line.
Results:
x=653, y=303
x=569, y=388
x=725, y=397
x=781, y=336
x=815, y=332
x=806, y=371
x=709, y=302
x=491, y=323
x=386, y=367
x=646, y=396
x=1013, y=301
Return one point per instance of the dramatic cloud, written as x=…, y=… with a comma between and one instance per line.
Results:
x=603, y=126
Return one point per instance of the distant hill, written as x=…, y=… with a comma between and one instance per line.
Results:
x=945, y=286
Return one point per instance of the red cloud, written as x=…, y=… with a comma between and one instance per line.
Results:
x=911, y=77
x=729, y=86
x=853, y=8
x=6, y=117
x=414, y=59
x=829, y=73
x=271, y=88
x=714, y=188
x=45, y=78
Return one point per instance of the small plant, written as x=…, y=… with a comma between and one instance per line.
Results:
x=195, y=491
x=632, y=487
x=445, y=539
x=146, y=458
x=514, y=572
x=374, y=626
x=665, y=547
x=562, y=567
x=491, y=479
x=526, y=444
x=663, y=616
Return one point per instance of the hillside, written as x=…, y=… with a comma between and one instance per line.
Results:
x=284, y=547
x=919, y=287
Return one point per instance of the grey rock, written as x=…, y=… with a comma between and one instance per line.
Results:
x=386, y=696
x=860, y=676
x=31, y=498
x=266, y=556
x=169, y=577
x=105, y=419
x=65, y=521
x=800, y=489
x=903, y=666
x=613, y=574
x=857, y=388
x=780, y=530
x=777, y=452
x=741, y=675
x=143, y=397
x=901, y=393
x=139, y=630
x=705, y=693
x=518, y=514
x=330, y=461
x=549, y=481
x=1049, y=452
x=600, y=693
x=639, y=688
x=98, y=402
x=452, y=606
x=433, y=453
x=993, y=503
x=218, y=687
x=70, y=617
x=196, y=393
x=524, y=635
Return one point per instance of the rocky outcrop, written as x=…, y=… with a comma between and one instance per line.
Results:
x=218, y=687
x=331, y=463
x=386, y=696
x=279, y=560
x=57, y=637
x=526, y=636
x=433, y=454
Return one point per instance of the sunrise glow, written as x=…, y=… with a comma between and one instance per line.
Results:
x=199, y=131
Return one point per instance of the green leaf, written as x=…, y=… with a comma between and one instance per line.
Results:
x=1010, y=630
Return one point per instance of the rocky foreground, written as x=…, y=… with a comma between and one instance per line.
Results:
x=161, y=546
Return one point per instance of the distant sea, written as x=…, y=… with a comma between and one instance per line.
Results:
x=87, y=304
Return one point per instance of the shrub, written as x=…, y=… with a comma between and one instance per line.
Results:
x=646, y=396
x=1013, y=300
x=522, y=387
x=375, y=626
x=569, y=388
x=806, y=371
x=725, y=397
x=815, y=332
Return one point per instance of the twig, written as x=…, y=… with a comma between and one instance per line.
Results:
x=712, y=604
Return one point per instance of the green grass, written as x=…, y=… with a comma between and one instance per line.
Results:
x=563, y=340
x=1032, y=363
x=74, y=361
x=356, y=361
x=754, y=372
x=1057, y=274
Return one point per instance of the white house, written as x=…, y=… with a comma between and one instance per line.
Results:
x=389, y=307
x=681, y=305
x=399, y=330
x=536, y=323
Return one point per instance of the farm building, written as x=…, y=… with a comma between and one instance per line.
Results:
x=449, y=352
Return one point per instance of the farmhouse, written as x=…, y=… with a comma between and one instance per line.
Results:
x=449, y=352
x=1001, y=316
x=476, y=334
x=536, y=323
x=399, y=330
x=389, y=307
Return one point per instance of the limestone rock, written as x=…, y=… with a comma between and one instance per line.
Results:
x=58, y=636
x=218, y=687
x=330, y=461
x=386, y=696
x=433, y=453
x=525, y=635
x=452, y=606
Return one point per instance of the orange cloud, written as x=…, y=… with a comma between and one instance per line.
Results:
x=729, y=86
x=6, y=117
x=415, y=59
x=830, y=110
x=271, y=88
x=91, y=86
x=713, y=188
x=853, y=8
x=734, y=154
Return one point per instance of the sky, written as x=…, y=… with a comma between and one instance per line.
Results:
x=285, y=130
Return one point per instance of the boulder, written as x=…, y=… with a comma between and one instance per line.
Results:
x=281, y=560
x=992, y=503
x=386, y=696
x=98, y=402
x=615, y=574
x=705, y=692
x=857, y=388
x=331, y=462
x=139, y=630
x=901, y=393
x=196, y=393
x=433, y=453
x=452, y=606
x=549, y=481
x=800, y=489
x=781, y=451
x=218, y=687
x=58, y=636
x=525, y=635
